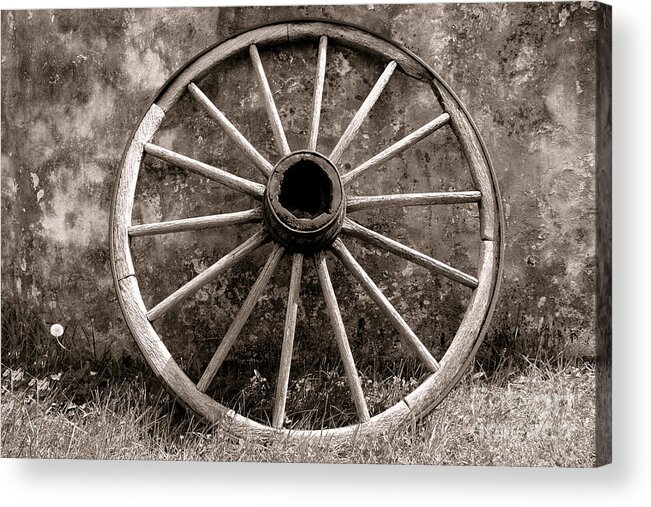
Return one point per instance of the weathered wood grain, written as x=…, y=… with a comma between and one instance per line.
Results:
x=260, y=36
x=356, y=230
x=406, y=333
x=269, y=103
x=362, y=113
x=196, y=223
x=467, y=339
x=263, y=165
x=477, y=163
x=337, y=322
x=363, y=202
x=359, y=39
x=126, y=188
x=397, y=148
x=243, y=185
x=226, y=262
x=415, y=405
x=280, y=399
x=150, y=344
x=215, y=413
x=317, y=97
x=281, y=32
x=240, y=319
x=164, y=366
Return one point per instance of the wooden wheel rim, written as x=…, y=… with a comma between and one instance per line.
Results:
x=477, y=316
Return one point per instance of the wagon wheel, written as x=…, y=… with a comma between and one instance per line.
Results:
x=323, y=227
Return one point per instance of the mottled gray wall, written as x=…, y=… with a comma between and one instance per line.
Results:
x=74, y=84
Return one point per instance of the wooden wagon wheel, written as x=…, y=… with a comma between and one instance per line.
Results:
x=321, y=227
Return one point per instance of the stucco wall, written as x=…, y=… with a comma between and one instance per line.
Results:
x=74, y=84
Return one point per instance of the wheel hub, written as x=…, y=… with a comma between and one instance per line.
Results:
x=304, y=204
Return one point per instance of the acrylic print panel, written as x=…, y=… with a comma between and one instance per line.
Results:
x=361, y=234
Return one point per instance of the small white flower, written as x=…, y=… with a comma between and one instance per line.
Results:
x=56, y=330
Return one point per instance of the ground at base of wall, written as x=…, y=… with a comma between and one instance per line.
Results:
x=543, y=416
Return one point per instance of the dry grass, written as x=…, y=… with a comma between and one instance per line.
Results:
x=70, y=405
x=542, y=416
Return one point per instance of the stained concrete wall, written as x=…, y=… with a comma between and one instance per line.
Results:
x=74, y=84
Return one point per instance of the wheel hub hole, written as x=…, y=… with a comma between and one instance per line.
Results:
x=306, y=190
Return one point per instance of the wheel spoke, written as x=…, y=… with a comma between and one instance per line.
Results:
x=288, y=341
x=398, y=147
x=375, y=238
x=241, y=317
x=212, y=173
x=229, y=129
x=195, y=223
x=226, y=262
x=270, y=104
x=362, y=113
x=347, y=259
x=318, y=93
x=342, y=340
x=362, y=202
